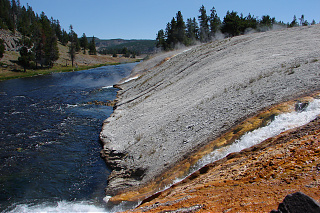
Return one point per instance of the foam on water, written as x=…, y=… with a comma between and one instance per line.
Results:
x=61, y=206
x=130, y=79
x=107, y=87
x=281, y=123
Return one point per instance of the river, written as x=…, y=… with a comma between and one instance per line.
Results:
x=49, y=134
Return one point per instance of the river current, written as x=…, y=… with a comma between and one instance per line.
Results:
x=49, y=140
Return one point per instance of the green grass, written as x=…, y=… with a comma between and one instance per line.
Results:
x=30, y=73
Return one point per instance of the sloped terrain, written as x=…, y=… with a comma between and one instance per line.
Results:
x=179, y=106
x=253, y=180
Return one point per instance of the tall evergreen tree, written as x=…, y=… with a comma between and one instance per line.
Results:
x=65, y=38
x=84, y=43
x=14, y=13
x=214, y=21
x=267, y=21
x=55, y=25
x=180, y=29
x=171, y=34
x=72, y=46
x=38, y=38
x=192, y=31
x=160, y=40
x=231, y=24
x=92, y=47
x=51, y=49
x=26, y=55
x=204, y=33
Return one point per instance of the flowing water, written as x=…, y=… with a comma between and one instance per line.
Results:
x=49, y=140
x=281, y=123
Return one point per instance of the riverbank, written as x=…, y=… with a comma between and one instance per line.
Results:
x=7, y=74
x=9, y=68
x=176, y=108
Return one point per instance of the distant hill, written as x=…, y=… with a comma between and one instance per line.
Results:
x=141, y=46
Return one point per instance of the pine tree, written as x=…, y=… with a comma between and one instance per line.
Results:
x=72, y=46
x=294, y=22
x=38, y=39
x=26, y=55
x=204, y=25
x=160, y=40
x=180, y=29
x=84, y=43
x=192, y=31
x=51, y=49
x=214, y=21
x=231, y=24
x=266, y=21
x=92, y=47
x=65, y=38
x=171, y=34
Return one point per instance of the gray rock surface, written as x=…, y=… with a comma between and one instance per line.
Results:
x=181, y=104
x=11, y=40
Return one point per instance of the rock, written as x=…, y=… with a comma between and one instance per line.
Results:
x=301, y=106
x=297, y=203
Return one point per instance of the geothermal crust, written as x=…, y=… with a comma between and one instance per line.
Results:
x=192, y=98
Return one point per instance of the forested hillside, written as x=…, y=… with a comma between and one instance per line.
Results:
x=211, y=27
x=39, y=35
x=126, y=47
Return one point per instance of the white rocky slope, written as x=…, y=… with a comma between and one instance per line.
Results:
x=180, y=105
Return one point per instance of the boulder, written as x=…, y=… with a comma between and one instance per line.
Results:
x=298, y=203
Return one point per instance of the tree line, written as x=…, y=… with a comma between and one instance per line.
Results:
x=40, y=35
x=124, y=51
x=179, y=32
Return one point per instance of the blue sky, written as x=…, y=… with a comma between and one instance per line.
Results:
x=141, y=19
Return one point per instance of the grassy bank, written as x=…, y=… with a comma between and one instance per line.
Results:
x=6, y=74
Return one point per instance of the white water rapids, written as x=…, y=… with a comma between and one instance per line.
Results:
x=281, y=123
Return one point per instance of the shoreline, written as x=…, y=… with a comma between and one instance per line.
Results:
x=32, y=73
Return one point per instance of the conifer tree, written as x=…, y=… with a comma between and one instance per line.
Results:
x=51, y=49
x=192, y=31
x=65, y=38
x=72, y=46
x=171, y=33
x=204, y=33
x=38, y=38
x=180, y=28
x=294, y=22
x=84, y=43
x=231, y=24
x=266, y=21
x=26, y=55
x=92, y=47
x=214, y=21
x=160, y=40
